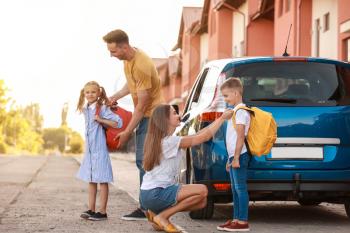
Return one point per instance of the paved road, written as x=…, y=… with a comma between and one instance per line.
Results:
x=40, y=194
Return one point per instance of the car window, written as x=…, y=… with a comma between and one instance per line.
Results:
x=293, y=83
x=196, y=91
x=208, y=88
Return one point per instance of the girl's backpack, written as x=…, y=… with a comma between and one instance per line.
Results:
x=262, y=132
x=111, y=133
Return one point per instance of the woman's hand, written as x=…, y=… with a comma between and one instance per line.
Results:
x=227, y=114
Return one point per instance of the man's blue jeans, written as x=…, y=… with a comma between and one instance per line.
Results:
x=141, y=131
x=239, y=188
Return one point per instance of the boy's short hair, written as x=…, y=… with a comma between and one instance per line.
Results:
x=117, y=36
x=234, y=83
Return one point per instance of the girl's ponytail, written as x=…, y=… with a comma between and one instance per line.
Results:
x=103, y=99
x=81, y=101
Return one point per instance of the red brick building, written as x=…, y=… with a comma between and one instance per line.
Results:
x=235, y=28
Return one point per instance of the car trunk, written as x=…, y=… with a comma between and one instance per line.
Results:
x=309, y=138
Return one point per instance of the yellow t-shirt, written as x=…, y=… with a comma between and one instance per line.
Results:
x=141, y=74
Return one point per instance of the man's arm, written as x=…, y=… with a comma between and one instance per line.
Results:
x=143, y=100
x=120, y=94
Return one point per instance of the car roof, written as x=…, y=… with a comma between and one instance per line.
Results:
x=230, y=62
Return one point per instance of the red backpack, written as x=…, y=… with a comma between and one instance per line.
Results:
x=111, y=133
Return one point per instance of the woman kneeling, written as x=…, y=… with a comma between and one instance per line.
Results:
x=161, y=194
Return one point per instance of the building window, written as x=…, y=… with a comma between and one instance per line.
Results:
x=242, y=45
x=280, y=8
x=326, y=22
x=317, y=37
x=288, y=3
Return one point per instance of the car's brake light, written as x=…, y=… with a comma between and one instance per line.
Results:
x=210, y=116
x=222, y=187
x=290, y=59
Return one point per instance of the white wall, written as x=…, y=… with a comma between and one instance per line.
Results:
x=328, y=39
x=204, y=47
x=239, y=25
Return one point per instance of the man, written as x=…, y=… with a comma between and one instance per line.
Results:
x=143, y=83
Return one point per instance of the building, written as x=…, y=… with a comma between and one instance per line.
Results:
x=235, y=28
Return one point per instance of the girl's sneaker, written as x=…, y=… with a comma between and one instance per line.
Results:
x=98, y=217
x=87, y=214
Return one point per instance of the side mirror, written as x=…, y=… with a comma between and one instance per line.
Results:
x=176, y=107
x=185, y=117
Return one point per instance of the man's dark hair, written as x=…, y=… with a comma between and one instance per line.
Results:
x=117, y=36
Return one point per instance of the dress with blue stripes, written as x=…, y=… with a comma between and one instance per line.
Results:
x=96, y=165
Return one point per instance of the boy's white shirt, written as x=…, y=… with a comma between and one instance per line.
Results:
x=242, y=118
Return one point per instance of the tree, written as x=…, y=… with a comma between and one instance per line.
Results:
x=54, y=138
x=32, y=114
x=76, y=143
x=3, y=103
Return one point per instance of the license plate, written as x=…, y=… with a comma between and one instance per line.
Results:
x=309, y=153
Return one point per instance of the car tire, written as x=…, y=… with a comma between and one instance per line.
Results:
x=308, y=202
x=347, y=208
x=205, y=213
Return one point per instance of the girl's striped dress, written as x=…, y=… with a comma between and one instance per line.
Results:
x=96, y=166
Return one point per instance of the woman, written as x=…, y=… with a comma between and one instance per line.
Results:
x=160, y=192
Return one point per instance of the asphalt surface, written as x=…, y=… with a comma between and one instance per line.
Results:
x=41, y=194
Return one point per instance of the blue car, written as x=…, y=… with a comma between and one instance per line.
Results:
x=310, y=101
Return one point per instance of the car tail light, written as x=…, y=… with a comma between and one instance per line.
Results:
x=210, y=116
x=222, y=187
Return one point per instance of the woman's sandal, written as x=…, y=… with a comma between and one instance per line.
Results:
x=150, y=216
x=170, y=228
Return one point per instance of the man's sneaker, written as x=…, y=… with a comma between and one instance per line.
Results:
x=235, y=226
x=137, y=214
x=222, y=226
x=98, y=217
x=87, y=214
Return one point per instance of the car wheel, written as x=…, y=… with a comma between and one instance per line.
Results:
x=205, y=213
x=308, y=202
x=347, y=208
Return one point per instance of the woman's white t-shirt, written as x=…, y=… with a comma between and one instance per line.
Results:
x=242, y=118
x=166, y=173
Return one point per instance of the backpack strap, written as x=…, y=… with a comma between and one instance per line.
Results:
x=234, y=123
x=241, y=107
x=98, y=109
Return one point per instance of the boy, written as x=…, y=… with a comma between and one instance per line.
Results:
x=237, y=163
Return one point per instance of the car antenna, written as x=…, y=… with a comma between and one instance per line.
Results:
x=285, y=54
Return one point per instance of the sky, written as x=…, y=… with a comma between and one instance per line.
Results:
x=50, y=48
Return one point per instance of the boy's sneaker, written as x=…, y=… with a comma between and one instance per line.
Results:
x=87, y=214
x=137, y=214
x=235, y=226
x=98, y=217
x=222, y=226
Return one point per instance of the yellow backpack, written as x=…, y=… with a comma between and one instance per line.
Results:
x=262, y=132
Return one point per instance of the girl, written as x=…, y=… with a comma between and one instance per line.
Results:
x=160, y=192
x=96, y=166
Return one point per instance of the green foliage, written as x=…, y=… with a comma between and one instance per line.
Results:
x=3, y=147
x=64, y=139
x=76, y=143
x=55, y=138
x=20, y=127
